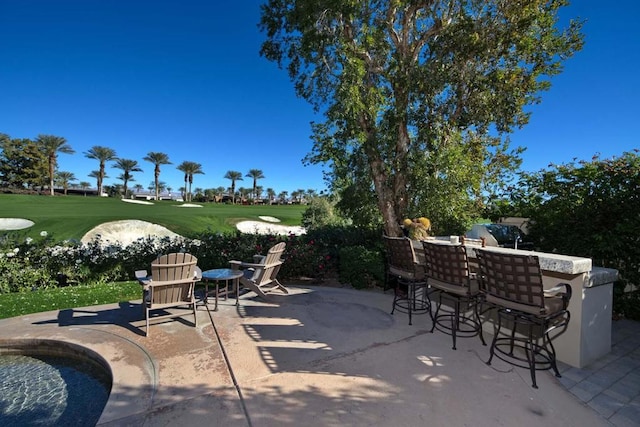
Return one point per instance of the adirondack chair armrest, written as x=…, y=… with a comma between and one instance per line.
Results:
x=141, y=274
x=143, y=278
x=240, y=264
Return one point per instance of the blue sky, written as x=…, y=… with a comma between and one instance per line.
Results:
x=185, y=78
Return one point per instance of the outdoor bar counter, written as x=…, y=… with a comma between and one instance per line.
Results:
x=588, y=336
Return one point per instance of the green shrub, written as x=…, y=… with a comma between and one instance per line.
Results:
x=588, y=209
x=29, y=264
x=361, y=267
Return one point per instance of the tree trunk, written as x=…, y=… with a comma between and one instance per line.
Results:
x=157, y=180
x=52, y=163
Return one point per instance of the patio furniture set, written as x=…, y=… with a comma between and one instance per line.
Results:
x=503, y=288
x=173, y=278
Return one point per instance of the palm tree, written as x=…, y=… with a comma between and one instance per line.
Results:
x=138, y=187
x=161, y=186
x=190, y=169
x=157, y=159
x=271, y=194
x=96, y=175
x=103, y=155
x=64, y=178
x=84, y=185
x=210, y=194
x=256, y=174
x=52, y=145
x=282, y=196
x=199, y=192
x=219, y=193
x=128, y=166
x=233, y=176
x=244, y=193
x=311, y=193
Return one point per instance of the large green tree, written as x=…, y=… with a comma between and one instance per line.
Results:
x=51, y=145
x=22, y=163
x=157, y=159
x=417, y=92
x=128, y=166
x=255, y=174
x=233, y=176
x=102, y=155
x=189, y=169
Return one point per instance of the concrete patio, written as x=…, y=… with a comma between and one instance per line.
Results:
x=326, y=356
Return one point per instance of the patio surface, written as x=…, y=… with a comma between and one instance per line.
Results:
x=327, y=356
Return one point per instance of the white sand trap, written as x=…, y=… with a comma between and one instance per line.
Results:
x=127, y=231
x=188, y=205
x=139, y=202
x=15, y=223
x=257, y=227
x=269, y=218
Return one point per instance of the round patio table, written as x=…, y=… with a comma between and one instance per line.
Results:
x=218, y=275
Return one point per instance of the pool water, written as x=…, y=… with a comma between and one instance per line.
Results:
x=51, y=390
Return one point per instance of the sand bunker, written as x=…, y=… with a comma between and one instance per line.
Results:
x=15, y=223
x=139, y=202
x=127, y=231
x=257, y=227
x=188, y=205
x=269, y=218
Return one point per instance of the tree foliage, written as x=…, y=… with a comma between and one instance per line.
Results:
x=51, y=145
x=233, y=176
x=255, y=174
x=128, y=166
x=189, y=168
x=63, y=179
x=587, y=209
x=418, y=96
x=102, y=155
x=157, y=159
x=22, y=163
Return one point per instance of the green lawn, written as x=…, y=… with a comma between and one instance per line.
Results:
x=20, y=304
x=70, y=217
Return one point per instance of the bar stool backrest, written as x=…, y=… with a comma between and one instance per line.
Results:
x=512, y=280
x=448, y=266
x=401, y=258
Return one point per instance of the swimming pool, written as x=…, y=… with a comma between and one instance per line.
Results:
x=51, y=383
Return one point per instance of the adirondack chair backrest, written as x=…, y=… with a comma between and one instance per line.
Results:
x=173, y=267
x=272, y=262
x=172, y=278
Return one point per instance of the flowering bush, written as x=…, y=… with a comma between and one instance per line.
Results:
x=29, y=264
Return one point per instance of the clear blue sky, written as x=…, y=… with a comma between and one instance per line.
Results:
x=185, y=78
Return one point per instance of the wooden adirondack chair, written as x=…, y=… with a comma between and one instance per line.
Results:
x=171, y=284
x=261, y=275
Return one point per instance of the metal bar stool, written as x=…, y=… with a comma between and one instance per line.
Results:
x=512, y=284
x=447, y=270
x=411, y=292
